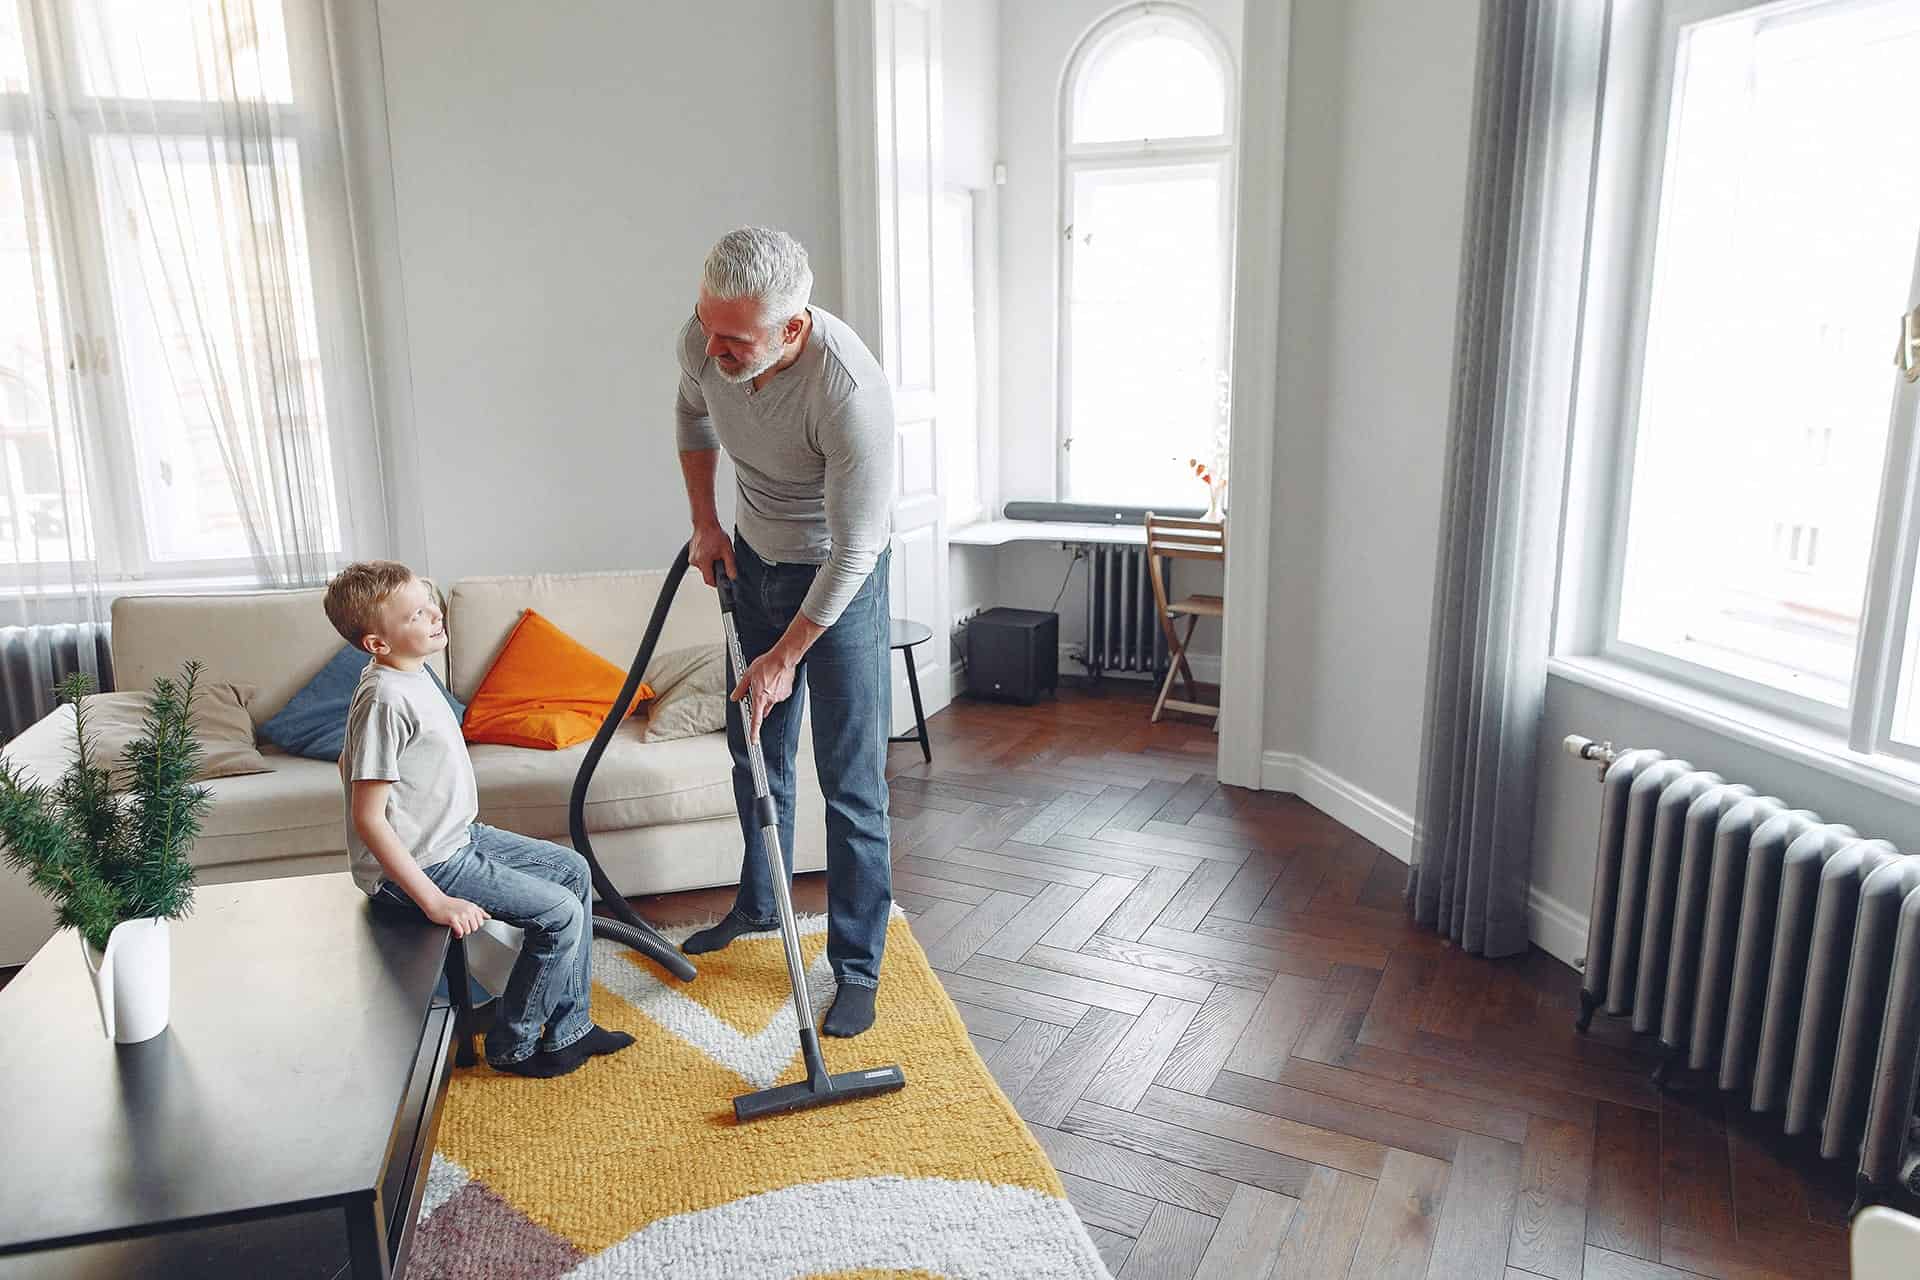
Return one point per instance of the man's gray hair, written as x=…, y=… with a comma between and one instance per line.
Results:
x=762, y=263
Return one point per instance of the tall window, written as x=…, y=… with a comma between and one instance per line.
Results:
x=174, y=262
x=1147, y=196
x=1777, y=245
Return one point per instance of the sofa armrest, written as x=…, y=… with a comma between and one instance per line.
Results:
x=45, y=748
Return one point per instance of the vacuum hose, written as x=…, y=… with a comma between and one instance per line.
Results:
x=623, y=924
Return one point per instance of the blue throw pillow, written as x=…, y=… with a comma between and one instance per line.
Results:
x=314, y=722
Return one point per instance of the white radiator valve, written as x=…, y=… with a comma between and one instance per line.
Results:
x=1587, y=749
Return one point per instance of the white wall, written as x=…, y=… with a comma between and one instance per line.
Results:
x=1379, y=113
x=559, y=173
x=970, y=91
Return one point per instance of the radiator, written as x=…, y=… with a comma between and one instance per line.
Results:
x=1775, y=953
x=1123, y=624
x=34, y=660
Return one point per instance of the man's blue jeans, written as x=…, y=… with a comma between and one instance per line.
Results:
x=846, y=673
x=544, y=890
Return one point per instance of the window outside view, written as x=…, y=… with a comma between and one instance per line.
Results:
x=1148, y=197
x=129, y=324
x=1787, y=235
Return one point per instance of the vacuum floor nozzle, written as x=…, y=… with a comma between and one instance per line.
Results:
x=817, y=1091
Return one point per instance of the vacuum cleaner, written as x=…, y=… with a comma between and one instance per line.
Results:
x=627, y=927
x=819, y=1088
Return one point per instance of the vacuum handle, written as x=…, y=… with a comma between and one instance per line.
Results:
x=724, y=585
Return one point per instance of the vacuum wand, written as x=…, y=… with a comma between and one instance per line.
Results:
x=820, y=1087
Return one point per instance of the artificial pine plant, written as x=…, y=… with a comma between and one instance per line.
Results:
x=104, y=856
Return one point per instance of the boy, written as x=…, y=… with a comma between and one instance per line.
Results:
x=412, y=838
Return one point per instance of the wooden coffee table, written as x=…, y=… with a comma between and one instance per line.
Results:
x=281, y=1125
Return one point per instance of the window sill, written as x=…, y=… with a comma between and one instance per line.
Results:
x=1802, y=744
x=114, y=588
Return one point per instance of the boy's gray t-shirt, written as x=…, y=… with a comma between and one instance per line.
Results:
x=401, y=730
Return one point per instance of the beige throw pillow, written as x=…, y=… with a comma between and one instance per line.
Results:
x=689, y=693
x=220, y=721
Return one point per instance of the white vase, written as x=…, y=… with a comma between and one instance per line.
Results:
x=130, y=979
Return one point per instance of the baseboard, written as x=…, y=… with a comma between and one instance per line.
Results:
x=1556, y=928
x=1351, y=806
x=1553, y=926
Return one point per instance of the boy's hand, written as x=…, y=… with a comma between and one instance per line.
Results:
x=458, y=914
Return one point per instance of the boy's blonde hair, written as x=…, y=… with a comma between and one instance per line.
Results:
x=356, y=593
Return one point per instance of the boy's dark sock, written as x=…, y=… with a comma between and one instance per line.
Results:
x=544, y=1064
x=852, y=1010
x=719, y=935
x=599, y=1041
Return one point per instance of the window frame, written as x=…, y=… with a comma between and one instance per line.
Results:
x=1220, y=150
x=82, y=264
x=1632, y=171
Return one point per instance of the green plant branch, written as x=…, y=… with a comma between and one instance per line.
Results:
x=100, y=856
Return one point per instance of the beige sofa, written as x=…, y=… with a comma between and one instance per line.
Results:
x=661, y=814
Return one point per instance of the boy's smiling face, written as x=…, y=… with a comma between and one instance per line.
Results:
x=411, y=626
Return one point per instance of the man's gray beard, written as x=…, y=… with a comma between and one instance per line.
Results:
x=762, y=361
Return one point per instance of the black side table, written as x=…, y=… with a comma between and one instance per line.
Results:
x=905, y=635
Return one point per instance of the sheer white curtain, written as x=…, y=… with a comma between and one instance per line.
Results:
x=184, y=391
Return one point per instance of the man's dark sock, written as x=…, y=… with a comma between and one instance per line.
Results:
x=717, y=936
x=544, y=1064
x=852, y=1010
x=599, y=1041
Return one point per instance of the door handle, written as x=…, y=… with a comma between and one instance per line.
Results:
x=1907, y=355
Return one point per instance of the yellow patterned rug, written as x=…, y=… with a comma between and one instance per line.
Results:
x=634, y=1165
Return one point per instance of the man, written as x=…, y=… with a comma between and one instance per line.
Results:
x=805, y=412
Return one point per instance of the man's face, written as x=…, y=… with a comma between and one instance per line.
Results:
x=411, y=624
x=739, y=341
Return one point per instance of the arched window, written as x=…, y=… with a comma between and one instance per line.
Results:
x=1147, y=198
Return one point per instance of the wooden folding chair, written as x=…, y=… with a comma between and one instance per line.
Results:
x=1169, y=538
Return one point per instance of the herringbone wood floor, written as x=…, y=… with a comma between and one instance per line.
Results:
x=1245, y=1061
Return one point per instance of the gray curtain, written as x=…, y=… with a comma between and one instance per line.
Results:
x=1517, y=339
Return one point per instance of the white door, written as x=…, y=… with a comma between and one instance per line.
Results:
x=888, y=54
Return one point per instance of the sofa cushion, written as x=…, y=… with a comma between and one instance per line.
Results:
x=314, y=722
x=690, y=693
x=295, y=808
x=546, y=690
x=220, y=723
x=635, y=784
x=606, y=612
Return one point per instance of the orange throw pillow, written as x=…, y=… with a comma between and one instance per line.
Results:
x=545, y=690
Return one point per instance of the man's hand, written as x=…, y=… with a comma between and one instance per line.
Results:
x=458, y=914
x=769, y=678
x=710, y=543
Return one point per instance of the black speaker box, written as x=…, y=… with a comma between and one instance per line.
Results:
x=1013, y=654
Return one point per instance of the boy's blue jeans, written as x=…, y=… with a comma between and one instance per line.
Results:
x=847, y=674
x=544, y=890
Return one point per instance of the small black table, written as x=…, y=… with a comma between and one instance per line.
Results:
x=905, y=635
x=281, y=1125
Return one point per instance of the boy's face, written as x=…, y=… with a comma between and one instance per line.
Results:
x=411, y=625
